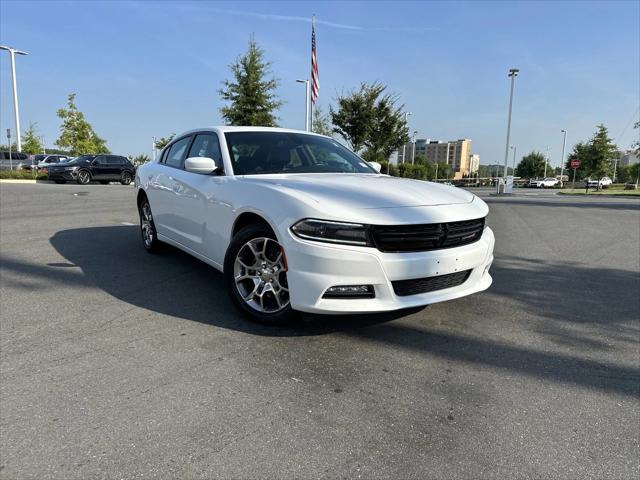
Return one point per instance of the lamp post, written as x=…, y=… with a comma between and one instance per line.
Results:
x=306, y=104
x=12, y=55
x=564, y=144
x=513, y=73
x=514, y=160
x=413, y=153
x=404, y=146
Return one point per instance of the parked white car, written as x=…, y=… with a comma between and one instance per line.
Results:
x=604, y=182
x=296, y=221
x=548, y=182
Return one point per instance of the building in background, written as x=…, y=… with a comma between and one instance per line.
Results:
x=627, y=157
x=474, y=163
x=456, y=153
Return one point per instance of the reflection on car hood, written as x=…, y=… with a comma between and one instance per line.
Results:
x=366, y=191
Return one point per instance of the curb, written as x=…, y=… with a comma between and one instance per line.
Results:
x=599, y=195
x=16, y=180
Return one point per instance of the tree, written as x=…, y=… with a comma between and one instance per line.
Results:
x=30, y=141
x=600, y=150
x=444, y=170
x=321, y=123
x=140, y=159
x=531, y=166
x=164, y=141
x=76, y=133
x=250, y=94
x=369, y=118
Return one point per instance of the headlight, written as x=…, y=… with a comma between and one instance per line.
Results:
x=332, y=232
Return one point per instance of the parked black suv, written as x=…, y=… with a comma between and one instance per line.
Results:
x=85, y=168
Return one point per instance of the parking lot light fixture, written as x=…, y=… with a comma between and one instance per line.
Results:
x=564, y=144
x=513, y=73
x=404, y=145
x=307, y=101
x=12, y=55
x=514, y=160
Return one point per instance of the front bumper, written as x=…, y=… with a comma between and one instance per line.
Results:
x=315, y=266
x=62, y=175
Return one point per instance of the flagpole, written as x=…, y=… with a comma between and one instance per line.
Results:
x=313, y=28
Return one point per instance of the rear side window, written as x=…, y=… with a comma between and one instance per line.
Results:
x=206, y=145
x=113, y=160
x=101, y=160
x=175, y=155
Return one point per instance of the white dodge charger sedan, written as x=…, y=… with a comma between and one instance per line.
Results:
x=297, y=222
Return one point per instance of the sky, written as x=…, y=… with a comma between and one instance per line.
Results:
x=150, y=68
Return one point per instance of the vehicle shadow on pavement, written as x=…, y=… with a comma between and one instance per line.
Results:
x=174, y=283
x=170, y=282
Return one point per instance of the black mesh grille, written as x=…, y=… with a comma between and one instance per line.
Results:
x=402, y=288
x=431, y=236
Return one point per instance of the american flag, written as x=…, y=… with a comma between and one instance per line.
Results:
x=315, y=79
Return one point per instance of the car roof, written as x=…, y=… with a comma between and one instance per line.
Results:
x=228, y=128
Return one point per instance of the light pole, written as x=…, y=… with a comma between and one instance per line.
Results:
x=404, y=146
x=306, y=104
x=12, y=55
x=153, y=147
x=413, y=153
x=546, y=161
x=514, y=160
x=513, y=73
x=564, y=144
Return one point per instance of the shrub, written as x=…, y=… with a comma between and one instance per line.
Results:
x=21, y=175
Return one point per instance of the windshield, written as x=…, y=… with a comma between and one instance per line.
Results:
x=256, y=153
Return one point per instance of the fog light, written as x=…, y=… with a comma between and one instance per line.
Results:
x=350, y=291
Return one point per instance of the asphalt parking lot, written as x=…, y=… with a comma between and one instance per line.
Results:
x=118, y=364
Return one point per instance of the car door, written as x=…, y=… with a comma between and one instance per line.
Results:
x=113, y=167
x=198, y=201
x=161, y=191
x=99, y=168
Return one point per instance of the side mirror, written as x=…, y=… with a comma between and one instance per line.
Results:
x=376, y=166
x=202, y=165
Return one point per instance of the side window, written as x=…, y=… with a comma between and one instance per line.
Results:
x=113, y=160
x=175, y=155
x=206, y=145
x=100, y=160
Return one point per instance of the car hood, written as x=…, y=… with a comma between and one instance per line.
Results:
x=363, y=190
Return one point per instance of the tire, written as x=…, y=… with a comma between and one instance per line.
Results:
x=148, y=231
x=125, y=178
x=60, y=182
x=269, y=277
x=104, y=182
x=84, y=177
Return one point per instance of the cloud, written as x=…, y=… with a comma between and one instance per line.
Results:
x=289, y=18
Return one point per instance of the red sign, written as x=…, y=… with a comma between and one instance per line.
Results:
x=575, y=163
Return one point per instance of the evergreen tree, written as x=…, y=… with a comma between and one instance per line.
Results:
x=76, y=134
x=164, y=141
x=30, y=141
x=600, y=151
x=321, y=123
x=250, y=94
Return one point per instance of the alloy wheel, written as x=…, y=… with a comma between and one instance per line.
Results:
x=84, y=177
x=260, y=274
x=146, y=224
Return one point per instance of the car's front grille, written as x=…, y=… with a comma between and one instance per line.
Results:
x=403, y=288
x=431, y=236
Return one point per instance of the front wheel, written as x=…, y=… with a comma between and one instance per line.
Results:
x=255, y=271
x=84, y=177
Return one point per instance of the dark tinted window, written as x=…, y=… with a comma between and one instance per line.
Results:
x=114, y=160
x=254, y=153
x=100, y=160
x=206, y=145
x=175, y=155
